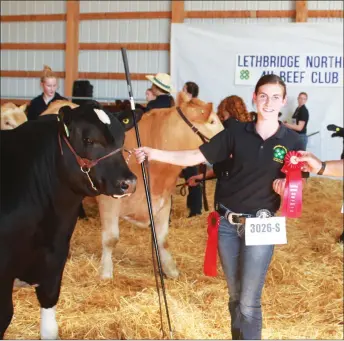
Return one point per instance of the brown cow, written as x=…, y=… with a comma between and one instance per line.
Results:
x=12, y=116
x=162, y=129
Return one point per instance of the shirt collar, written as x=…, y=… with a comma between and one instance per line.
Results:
x=251, y=127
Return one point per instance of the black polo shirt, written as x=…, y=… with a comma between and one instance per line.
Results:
x=38, y=105
x=301, y=114
x=255, y=165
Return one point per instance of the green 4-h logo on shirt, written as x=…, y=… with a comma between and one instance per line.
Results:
x=279, y=153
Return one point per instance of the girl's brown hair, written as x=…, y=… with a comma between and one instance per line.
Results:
x=47, y=73
x=235, y=107
x=271, y=79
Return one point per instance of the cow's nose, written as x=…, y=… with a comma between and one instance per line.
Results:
x=128, y=186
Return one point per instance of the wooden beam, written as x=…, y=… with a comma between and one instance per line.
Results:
x=72, y=46
x=87, y=46
x=112, y=75
x=125, y=15
x=301, y=8
x=28, y=74
x=14, y=100
x=168, y=15
x=128, y=46
x=326, y=13
x=240, y=14
x=81, y=75
x=33, y=17
x=32, y=46
x=178, y=12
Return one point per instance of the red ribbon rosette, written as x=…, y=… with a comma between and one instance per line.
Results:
x=292, y=199
x=210, y=267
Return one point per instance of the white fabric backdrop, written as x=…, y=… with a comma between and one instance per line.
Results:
x=207, y=55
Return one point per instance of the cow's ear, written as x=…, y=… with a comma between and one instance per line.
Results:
x=126, y=118
x=208, y=110
x=65, y=114
x=23, y=107
x=65, y=117
x=182, y=97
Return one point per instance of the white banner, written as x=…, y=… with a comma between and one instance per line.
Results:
x=295, y=69
x=310, y=55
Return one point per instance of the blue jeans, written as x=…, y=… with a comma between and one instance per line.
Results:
x=304, y=138
x=245, y=268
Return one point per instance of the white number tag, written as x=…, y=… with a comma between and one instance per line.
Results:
x=265, y=231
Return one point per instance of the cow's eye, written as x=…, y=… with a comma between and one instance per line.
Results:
x=88, y=141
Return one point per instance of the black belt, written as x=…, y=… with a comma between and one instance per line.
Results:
x=233, y=218
x=224, y=174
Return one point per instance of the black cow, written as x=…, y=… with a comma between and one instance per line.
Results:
x=47, y=167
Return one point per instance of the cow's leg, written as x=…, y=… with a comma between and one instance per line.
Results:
x=6, y=305
x=109, y=213
x=48, y=292
x=162, y=221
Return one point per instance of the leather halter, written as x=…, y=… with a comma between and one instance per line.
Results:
x=194, y=129
x=86, y=164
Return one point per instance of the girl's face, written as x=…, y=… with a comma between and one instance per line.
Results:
x=186, y=91
x=49, y=86
x=269, y=101
x=302, y=99
x=149, y=95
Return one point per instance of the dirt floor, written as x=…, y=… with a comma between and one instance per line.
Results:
x=302, y=298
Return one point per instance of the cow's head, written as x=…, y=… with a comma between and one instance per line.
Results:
x=201, y=115
x=94, y=133
x=12, y=116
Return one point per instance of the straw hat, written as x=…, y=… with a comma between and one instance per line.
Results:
x=162, y=81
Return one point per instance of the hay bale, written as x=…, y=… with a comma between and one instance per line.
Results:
x=302, y=298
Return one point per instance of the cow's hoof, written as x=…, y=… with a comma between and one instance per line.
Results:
x=106, y=274
x=171, y=272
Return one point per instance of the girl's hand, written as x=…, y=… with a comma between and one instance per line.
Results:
x=192, y=180
x=278, y=186
x=142, y=153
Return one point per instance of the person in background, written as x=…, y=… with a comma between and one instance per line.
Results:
x=161, y=89
x=49, y=86
x=149, y=95
x=245, y=193
x=300, y=118
x=194, y=198
x=191, y=89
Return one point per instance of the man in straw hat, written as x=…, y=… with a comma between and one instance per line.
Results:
x=162, y=89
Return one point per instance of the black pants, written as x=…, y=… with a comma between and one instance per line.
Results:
x=194, y=198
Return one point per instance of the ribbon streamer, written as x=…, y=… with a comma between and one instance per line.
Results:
x=210, y=258
x=292, y=199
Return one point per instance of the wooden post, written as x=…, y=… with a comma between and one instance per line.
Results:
x=178, y=12
x=301, y=11
x=72, y=45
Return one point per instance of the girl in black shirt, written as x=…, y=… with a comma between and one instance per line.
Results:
x=49, y=94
